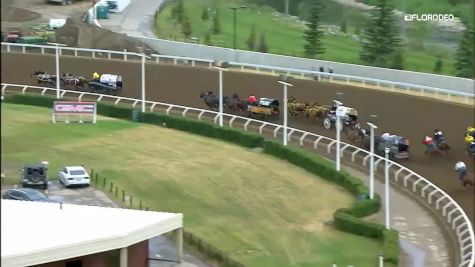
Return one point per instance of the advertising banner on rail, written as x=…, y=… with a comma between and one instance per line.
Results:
x=72, y=107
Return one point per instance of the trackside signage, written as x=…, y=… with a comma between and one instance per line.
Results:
x=71, y=107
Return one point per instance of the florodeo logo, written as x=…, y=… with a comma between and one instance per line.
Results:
x=428, y=17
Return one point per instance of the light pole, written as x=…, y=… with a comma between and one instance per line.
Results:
x=340, y=111
x=58, y=96
x=386, y=189
x=143, y=82
x=235, y=9
x=221, y=66
x=57, y=45
x=285, y=80
x=371, y=163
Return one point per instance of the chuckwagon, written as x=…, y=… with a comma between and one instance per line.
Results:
x=265, y=107
x=106, y=82
x=348, y=117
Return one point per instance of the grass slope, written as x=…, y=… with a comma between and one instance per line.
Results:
x=283, y=37
x=260, y=210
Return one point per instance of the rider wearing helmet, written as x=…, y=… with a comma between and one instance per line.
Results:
x=461, y=170
x=470, y=131
x=429, y=143
x=469, y=139
x=96, y=76
x=252, y=99
x=438, y=137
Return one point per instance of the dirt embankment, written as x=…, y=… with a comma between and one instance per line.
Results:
x=19, y=16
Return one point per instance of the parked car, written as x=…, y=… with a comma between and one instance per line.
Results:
x=34, y=175
x=26, y=194
x=74, y=175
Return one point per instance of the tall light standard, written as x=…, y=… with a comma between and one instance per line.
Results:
x=340, y=111
x=57, y=45
x=285, y=81
x=371, y=158
x=386, y=189
x=221, y=66
x=235, y=9
x=143, y=82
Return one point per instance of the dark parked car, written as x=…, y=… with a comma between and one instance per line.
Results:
x=34, y=175
x=27, y=194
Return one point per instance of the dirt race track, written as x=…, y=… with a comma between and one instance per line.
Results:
x=409, y=116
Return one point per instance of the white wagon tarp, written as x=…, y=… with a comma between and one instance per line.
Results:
x=110, y=78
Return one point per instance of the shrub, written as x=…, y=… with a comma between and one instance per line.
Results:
x=39, y=101
x=242, y=138
x=391, y=246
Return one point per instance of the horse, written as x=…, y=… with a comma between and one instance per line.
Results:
x=356, y=134
x=235, y=103
x=212, y=101
x=78, y=82
x=312, y=111
x=443, y=146
x=36, y=73
x=294, y=107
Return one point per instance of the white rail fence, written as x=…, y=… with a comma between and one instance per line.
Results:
x=392, y=86
x=436, y=198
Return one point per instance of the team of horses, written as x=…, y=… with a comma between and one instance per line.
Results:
x=234, y=103
x=66, y=80
x=309, y=110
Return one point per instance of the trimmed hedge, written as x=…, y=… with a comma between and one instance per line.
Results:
x=346, y=219
x=194, y=126
x=391, y=246
x=210, y=250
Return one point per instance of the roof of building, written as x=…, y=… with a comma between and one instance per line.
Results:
x=37, y=232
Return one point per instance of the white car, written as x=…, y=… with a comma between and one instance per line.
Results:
x=74, y=175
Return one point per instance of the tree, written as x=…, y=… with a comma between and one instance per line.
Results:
x=314, y=35
x=464, y=65
x=263, y=44
x=251, y=41
x=179, y=11
x=208, y=39
x=397, y=60
x=381, y=36
x=186, y=27
x=204, y=14
x=343, y=25
x=438, y=65
x=216, y=29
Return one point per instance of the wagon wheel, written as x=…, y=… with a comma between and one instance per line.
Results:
x=92, y=89
x=327, y=123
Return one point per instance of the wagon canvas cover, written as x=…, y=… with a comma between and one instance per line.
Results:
x=109, y=78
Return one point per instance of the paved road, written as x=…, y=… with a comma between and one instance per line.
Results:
x=136, y=19
x=159, y=247
x=421, y=238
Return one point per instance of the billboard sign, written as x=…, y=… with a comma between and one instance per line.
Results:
x=72, y=107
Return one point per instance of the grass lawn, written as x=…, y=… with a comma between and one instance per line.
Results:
x=283, y=37
x=260, y=210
